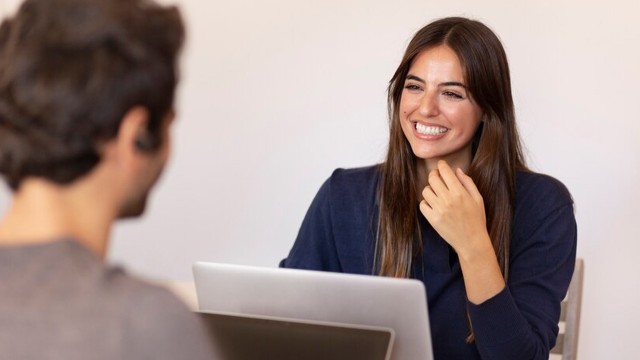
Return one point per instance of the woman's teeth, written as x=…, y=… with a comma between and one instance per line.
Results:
x=430, y=130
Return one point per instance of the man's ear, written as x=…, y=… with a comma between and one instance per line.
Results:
x=133, y=134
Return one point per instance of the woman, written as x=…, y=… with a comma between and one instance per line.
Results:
x=453, y=204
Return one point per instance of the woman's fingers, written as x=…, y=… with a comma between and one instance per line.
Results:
x=436, y=184
x=425, y=208
x=443, y=187
x=450, y=188
x=430, y=197
x=469, y=185
x=451, y=181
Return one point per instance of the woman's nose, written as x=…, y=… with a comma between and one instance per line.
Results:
x=429, y=104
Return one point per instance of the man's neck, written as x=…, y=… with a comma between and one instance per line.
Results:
x=42, y=212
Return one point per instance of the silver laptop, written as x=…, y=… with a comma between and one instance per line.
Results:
x=313, y=297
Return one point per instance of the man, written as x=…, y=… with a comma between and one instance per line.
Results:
x=86, y=103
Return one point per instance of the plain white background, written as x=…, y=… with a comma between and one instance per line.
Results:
x=276, y=94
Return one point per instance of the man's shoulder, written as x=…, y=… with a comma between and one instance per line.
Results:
x=149, y=317
x=102, y=311
x=139, y=298
x=155, y=319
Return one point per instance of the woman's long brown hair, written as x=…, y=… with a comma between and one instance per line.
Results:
x=496, y=149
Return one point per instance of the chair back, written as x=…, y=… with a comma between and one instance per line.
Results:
x=567, y=342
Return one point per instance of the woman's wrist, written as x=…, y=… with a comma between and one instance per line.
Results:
x=481, y=271
x=476, y=249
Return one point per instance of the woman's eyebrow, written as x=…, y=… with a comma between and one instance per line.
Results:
x=447, y=83
x=452, y=83
x=413, y=77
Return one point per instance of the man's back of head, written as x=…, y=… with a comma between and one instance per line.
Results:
x=69, y=72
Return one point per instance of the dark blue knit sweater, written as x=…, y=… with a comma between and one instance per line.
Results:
x=338, y=234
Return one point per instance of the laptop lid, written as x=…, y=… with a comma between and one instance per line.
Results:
x=250, y=337
x=399, y=304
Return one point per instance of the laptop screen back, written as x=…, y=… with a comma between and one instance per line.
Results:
x=399, y=304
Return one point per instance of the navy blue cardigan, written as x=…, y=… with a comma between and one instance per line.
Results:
x=520, y=322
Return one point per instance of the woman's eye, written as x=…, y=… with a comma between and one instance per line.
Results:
x=412, y=87
x=453, y=95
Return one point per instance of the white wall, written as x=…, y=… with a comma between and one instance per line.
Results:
x=276, y=94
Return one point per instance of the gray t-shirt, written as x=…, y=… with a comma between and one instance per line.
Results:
x=59, y=301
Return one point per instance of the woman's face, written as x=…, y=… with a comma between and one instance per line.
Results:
x=437, y=114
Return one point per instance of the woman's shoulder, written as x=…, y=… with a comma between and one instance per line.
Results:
x=539, y=196
x=544, y=220
x=351, y=185
x=355, y=176
x=532, y=185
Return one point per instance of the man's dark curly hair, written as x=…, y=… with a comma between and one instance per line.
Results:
x=70, y=70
